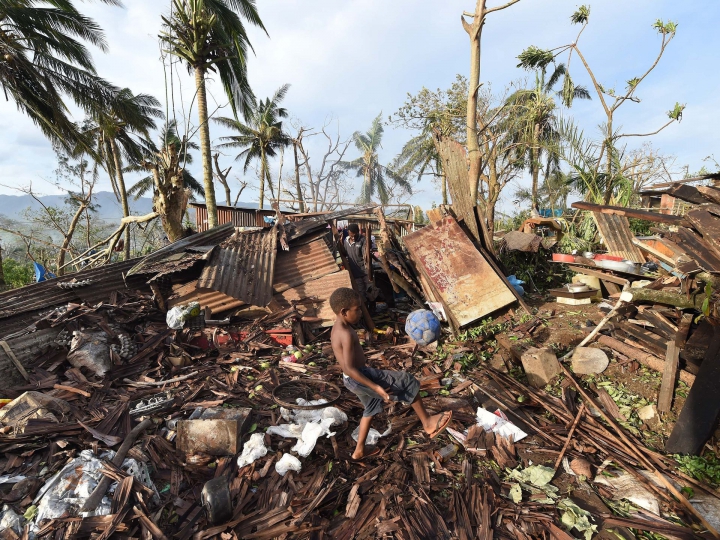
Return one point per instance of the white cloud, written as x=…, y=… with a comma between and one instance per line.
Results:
x=351, y=60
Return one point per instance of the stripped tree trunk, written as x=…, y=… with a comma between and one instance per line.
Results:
x=123, y=193
x=210, y=202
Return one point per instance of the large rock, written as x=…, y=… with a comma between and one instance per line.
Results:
x=589, y=361
x=541, y=366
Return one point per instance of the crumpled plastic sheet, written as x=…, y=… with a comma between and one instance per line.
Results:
x=90, y=350
x=287, y=463
x=308, y=426
x=627, y=487
x=499, y=425
x=10, y=520
x=174, y=318
x=253, y=450
x=66, y=492
x=373, y=435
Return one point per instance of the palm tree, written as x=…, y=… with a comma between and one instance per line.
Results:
x=43, y=59
x=419, y=156
x=368, y=166
x=536, y=131
x=261, y=137
x=209, y=35
x=116, y=128
x=171, y=183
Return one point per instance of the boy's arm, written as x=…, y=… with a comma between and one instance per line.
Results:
x=348, y=367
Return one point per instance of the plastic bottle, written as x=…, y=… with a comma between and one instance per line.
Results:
x=448, y=452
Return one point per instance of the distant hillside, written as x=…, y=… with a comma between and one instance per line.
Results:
x=108, y=208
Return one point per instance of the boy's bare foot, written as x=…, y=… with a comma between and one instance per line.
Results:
x=437, y=423
x=359, y=455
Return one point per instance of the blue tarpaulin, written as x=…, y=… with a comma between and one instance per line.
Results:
x=41, y=274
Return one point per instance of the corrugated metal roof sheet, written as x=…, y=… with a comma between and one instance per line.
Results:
x=243, y=267
x=302, y=264
x=296, y=229
x=321, y=289
x=19, y=307
x=216, y=302
x=206, y=238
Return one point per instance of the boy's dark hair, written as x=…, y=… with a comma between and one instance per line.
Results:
x=353, y=227
x=344, y=298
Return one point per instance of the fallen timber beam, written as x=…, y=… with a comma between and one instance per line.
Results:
x=632, y=213
x=681, y=301
x=646, y=359
x=699, y=415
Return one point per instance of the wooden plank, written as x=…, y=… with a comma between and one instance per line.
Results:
x=696, y=248
x=598, y=274
x=710, y=193
x=612, y=288
x=672, y=360
x=686, y=193
x=631, y=212
x=647, y=339
x=663, y=326
x=667, y=388
x=707, y=225
x=644, y=247
x=698, y=417
x=616, y=234
x=466, y=282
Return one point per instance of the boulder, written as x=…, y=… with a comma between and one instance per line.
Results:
x=589, y=361
x=541, y=366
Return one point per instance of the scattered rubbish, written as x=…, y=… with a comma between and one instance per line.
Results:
x=216, y=500
x=648, y=412
x=253, y=450
x=499, y=424
x=178, y=315
x=373, y=435
x=9, y=520
x=32, y=406
x=627, y=487
x=217, y=432
x=287, y=463
x=90, y=350
x=582, y=467
x=516, y=284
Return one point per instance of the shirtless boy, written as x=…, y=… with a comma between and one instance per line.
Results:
x=373, y=386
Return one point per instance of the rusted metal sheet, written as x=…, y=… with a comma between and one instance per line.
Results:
x=465, y=281
x=295, y=229
x=215, y=302
x=207, y=238
x=320, y=289
x=615, y=232
x=218, y=432
x=20, y=307
x=238, y=217
x=243, y=267
x=302, y=264
x=26, y=348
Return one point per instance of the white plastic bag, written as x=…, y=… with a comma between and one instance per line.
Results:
x=287, y=463
x=253, y=450
x=174, y=318
x=373, y=435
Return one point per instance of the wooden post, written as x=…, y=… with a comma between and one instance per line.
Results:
x=368, y=253
x=672, y=358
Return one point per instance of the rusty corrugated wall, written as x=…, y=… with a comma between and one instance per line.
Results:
x=303, y=263
x=239, y=217
x=243, y=267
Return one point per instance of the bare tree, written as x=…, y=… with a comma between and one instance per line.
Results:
x=327, y=185
x=474, y=30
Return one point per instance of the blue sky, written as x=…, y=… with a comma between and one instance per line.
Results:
x=351, y=60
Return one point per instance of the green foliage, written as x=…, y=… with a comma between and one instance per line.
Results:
x=703, y=468
x=665, y=28
x=581, y=16
x=706, y=302
x=17, y=274
x=640, y=227
x=676, y=112
x=533, y=57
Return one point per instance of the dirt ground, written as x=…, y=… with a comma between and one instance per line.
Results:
x=631, y=385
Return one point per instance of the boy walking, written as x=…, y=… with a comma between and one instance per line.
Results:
x=373, y=386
